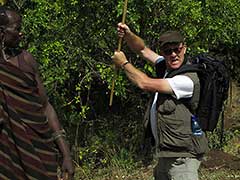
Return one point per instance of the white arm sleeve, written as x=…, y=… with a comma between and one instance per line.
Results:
x=182, y=86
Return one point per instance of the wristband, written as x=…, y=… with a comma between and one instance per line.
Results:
x=125, y=63
x=59, y=134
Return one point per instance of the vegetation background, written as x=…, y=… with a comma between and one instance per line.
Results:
x=73, y=42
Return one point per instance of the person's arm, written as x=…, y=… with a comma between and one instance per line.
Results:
x=139, y=78
x=136, y=43
x=59, y=135
x=54, y=124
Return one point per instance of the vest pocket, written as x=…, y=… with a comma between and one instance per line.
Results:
x=174, y=134
x=199, y=144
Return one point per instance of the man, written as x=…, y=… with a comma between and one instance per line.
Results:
x=29, y=127
x=178, y=150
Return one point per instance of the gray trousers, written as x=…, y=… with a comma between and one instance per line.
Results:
x=177, y=169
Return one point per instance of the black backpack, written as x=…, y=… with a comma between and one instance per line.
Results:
x=214, y=84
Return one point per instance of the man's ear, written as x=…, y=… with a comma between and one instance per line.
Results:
x=1, y=34
x=161, y=52
x=3, y=18
x=185, y=48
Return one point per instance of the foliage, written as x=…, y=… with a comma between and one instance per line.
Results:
x=103, y=154
x=233, y=146
x=73, y=42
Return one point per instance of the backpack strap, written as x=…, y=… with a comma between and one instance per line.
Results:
x=160, y=68
x=222, y=128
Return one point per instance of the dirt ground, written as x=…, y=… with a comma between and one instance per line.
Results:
x=217, y=159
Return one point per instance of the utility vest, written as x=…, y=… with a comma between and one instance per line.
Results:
x=174, y=125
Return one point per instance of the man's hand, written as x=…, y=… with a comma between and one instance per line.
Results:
x=123, y=30
x=119, y=58
x=67, y=169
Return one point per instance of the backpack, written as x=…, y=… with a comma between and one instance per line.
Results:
x=214, y=84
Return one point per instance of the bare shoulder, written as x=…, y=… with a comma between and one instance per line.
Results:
x=30, y=60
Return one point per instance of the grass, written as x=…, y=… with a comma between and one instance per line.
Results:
x=146, y=174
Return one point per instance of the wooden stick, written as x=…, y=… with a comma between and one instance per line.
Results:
x=118, y=49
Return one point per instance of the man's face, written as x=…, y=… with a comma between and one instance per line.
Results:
x=12, y=31
x=174, y=55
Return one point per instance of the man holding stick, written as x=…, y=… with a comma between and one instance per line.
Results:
x=179, y=152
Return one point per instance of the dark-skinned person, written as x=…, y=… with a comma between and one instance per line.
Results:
x=32, y=141
x=178, y=151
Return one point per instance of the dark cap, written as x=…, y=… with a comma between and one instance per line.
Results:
x=170, y=37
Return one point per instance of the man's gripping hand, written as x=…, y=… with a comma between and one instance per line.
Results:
x=123, y=30
x=119, y=58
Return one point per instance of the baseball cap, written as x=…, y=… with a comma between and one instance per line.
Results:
x=170, y=37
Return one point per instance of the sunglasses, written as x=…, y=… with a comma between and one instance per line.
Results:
x=169, y=51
